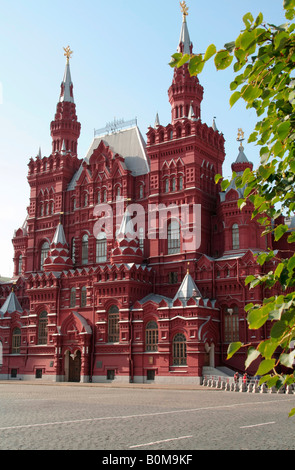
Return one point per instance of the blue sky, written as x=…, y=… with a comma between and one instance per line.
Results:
x=119, y=69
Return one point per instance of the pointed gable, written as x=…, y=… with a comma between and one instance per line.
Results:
x=10, y=305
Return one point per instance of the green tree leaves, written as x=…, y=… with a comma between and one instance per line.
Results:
x=263, y=61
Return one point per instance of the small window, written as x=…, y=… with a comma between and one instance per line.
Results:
x=13, y=373
x=38, y=374
x=173, y=277
x=150, y=375
x=110, y=374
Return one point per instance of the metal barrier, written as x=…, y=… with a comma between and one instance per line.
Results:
x=249, y=384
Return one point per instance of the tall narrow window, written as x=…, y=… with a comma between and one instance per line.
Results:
x=181, y=182
x=141, y=239
x=42, y=328
x=151, y=336
x=73, y=297
x=173, y=185
x=173, y=237
x=43, y=254
x=235, y=237
x=101, y=248
x=20, y=264
x=113, y=324
x=16, y=338
x=179, y=350
x=83, y=296
x=231, y=324
x=166, y=185
x=73, y=250
x=85, y=249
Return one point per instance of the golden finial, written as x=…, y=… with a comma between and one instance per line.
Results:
x=240, y=137
x=187, y=269
x=68, y=53
x=184, y=9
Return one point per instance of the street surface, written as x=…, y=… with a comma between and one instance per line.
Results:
x=134, y=418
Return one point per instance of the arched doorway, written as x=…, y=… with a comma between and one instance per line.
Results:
x=73, y=366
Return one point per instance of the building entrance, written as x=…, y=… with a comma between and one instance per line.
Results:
x=74, y=367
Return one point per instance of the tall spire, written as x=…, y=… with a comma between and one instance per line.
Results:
x=66, y=93
x=185, y=93
x=65, y=129
x=185, y=46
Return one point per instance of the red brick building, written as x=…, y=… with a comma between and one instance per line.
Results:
x=88, y=300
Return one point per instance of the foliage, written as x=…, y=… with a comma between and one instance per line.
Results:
x=263, y=58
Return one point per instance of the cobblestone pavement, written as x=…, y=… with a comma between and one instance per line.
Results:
x=130, y=418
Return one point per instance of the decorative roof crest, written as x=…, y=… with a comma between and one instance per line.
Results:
x=184, y=9
x=68, y=53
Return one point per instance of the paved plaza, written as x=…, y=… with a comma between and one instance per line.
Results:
x=35, y=416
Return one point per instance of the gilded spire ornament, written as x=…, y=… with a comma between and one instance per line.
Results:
x=240, y=137
x=68, y=53
x=184, y=9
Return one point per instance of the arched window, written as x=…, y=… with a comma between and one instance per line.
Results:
x=151, y=336
x=173, y=237
x=85, y=249
x=113, y=324
x=101, y=248
x=173, y=185
x=181, y=182
x=83, y=296
x=179, y=350
x=235, y=237
x=73, y=297
x=43, y=254
x=85, y=201
x=42, y=328
x=16, y=338
x=141, y=191
x=231, y=324
x=166, y=185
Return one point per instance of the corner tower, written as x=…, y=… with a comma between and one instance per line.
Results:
x=65, y=129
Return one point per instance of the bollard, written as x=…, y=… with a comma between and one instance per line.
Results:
x=255, y=388
x=263, y=388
